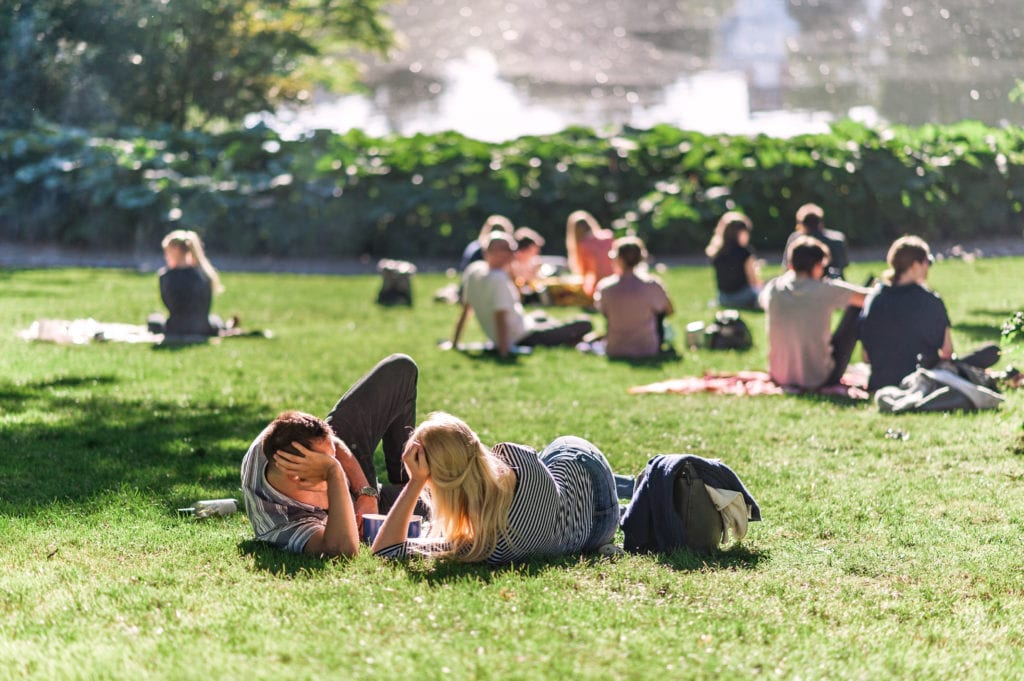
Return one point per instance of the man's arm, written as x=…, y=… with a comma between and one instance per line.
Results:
x=460, y=325
x=503, y=341
x=356, y=481
x=946, y=351
x=339, y=537
x=396, y=525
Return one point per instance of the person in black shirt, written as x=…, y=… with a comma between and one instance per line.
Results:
x=187, y=286
x=810, y=221
x=736, y=269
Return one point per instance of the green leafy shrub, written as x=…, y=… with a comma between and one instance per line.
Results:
x=252, y=193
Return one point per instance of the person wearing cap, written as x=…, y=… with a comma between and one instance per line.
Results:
x=489, y=292
x=474, y=250
x=904, y=323
x=803, y=352
x=810, y=221
x=633, y=303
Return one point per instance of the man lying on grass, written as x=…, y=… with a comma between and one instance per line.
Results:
x=308, y=481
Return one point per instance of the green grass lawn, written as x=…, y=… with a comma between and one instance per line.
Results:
x=876, y=558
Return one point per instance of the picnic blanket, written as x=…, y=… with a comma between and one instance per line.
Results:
x=751, y=383
x=83, y=331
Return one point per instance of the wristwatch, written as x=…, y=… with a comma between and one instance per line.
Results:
x=368, y=491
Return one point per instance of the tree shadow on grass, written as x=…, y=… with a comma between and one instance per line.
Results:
x=90, y=440
x=979, y=332
x=1001, y=314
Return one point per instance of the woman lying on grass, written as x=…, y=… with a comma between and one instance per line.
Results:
x=502, y=504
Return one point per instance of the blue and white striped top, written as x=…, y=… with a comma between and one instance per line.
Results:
x=276, y=518
x=552, y=510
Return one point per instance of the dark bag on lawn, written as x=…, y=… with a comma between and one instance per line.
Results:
x=728, y=332
x=671, y=508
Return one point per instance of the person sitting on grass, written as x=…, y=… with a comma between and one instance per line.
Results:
x=500, y=504
x=810, y=221
x=633, y=303
x=526, y=264
x=187, y=285
x=736, y=269
x=905, y=323
x=308, y=481
x=474, y=250
x=798, y=304
x=587, y=245
x=489, y=292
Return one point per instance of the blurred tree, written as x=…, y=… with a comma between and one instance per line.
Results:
x=177, y=62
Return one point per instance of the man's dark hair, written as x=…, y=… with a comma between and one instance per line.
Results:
x=293, y=426
x=526, y=237
x=811, y=216
x=805, y=252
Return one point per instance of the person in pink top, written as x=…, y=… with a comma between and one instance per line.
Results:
x=588, y=245
x=634, y=304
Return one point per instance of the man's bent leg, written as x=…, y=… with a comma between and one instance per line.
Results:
x=379, y=408
x=568, y=333
x=843, y=340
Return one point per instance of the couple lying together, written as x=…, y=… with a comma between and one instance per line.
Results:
x=308, y=482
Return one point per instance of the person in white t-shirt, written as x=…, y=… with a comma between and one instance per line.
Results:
x=488, y=290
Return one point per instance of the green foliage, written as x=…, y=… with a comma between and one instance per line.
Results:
x=180, y=63
x=877, y=558
x=251, y=192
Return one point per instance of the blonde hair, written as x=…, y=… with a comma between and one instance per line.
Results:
x=727, y=232
x=902, y=255
x=189, y=242
x=579, y=224
x=470, y=489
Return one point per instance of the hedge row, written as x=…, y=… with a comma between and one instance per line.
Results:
x=251, y=193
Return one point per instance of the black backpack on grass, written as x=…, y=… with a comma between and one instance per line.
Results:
x=728, y=332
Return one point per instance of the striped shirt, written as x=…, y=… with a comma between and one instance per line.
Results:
x=552, y=510
x=276, y=518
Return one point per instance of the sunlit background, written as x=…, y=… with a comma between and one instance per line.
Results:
x=499, y=69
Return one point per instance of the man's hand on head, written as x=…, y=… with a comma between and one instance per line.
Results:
x=309, y=467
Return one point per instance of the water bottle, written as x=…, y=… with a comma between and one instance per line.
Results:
x=211, y=507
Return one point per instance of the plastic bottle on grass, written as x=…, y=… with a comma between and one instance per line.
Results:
x=211, y=507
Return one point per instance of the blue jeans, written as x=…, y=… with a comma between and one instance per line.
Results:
x=606, y=500
x=744, y=298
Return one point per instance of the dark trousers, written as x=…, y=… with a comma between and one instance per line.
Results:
x=843, y=340
x=557, y=333
x=379, y=408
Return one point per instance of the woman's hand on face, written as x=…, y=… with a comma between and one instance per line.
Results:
x=308, y=469
x=415, y=460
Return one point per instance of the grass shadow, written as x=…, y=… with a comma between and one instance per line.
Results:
x=838, y=400
x=736, y=557
x=655, y=362
x=280, y=563
x=989, y=333
x=98, y=441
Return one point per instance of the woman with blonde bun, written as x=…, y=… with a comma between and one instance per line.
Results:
x=187, y=285
x=500, y=504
